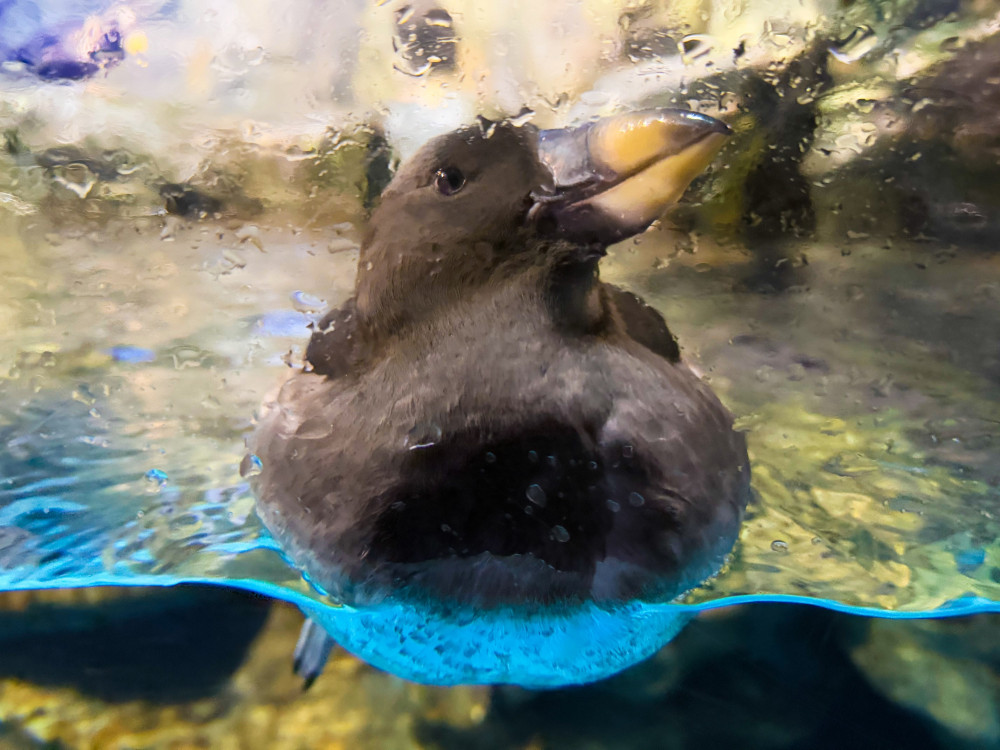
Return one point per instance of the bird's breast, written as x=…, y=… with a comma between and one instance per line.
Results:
x=499, y=470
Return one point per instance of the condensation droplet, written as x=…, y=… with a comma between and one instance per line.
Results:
x=340, y=245
x=951, y=44
x=694, y=46
x=156, y=478
x=612, y=505
x=858, y=43
x=779, y=546
x=523, y=118
x=636, y=500
x=422, y=436
x=560, y=534
x=77, y=178
x=250, y=466
x=536, y=495
x=307, y=303
x=84, y=396
x=185, y=356
x=250, y=233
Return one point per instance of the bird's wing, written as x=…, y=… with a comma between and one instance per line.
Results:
x=644, y=324
x=333, y=343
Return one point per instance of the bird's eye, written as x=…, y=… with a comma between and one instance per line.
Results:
x=449, y=180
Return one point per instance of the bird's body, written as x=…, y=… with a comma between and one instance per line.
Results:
x=487, y=432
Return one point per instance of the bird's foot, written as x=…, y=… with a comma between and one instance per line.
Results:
x=311, y=652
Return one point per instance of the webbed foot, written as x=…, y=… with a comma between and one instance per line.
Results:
x=311, y=652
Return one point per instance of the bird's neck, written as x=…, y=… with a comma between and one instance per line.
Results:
x=401, y=285
x=575, y=299
x=412, y=289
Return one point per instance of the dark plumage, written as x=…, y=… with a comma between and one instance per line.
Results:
x=484, y=423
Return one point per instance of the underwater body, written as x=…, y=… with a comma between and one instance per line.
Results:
x=831, y=278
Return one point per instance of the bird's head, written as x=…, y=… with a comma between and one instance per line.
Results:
x=501, y=195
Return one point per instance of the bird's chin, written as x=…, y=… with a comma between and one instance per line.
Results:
x=592, y=227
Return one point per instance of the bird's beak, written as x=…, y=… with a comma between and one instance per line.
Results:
x=614, y=177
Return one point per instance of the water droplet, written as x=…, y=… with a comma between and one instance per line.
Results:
x=694, y=46
x=422, y=40
x=779, y=546
x=438, y=17
x=77, y=178
x=628, y=451
x=307, y=303
x=858, y=43
x=523, y=118
x=612, y=505
x=231, y=261
x=865, y=106
x=533, y=456
x=250, y=466
x=560, y=534
x=951, y=44
x=491, y=458
x=536, y=495
x=156, y=477
x=340, y=245
x=423, y=435
x=185, y=356
x=250, y=233
x=84, y=396
x=594, y=98
x=636, y=500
